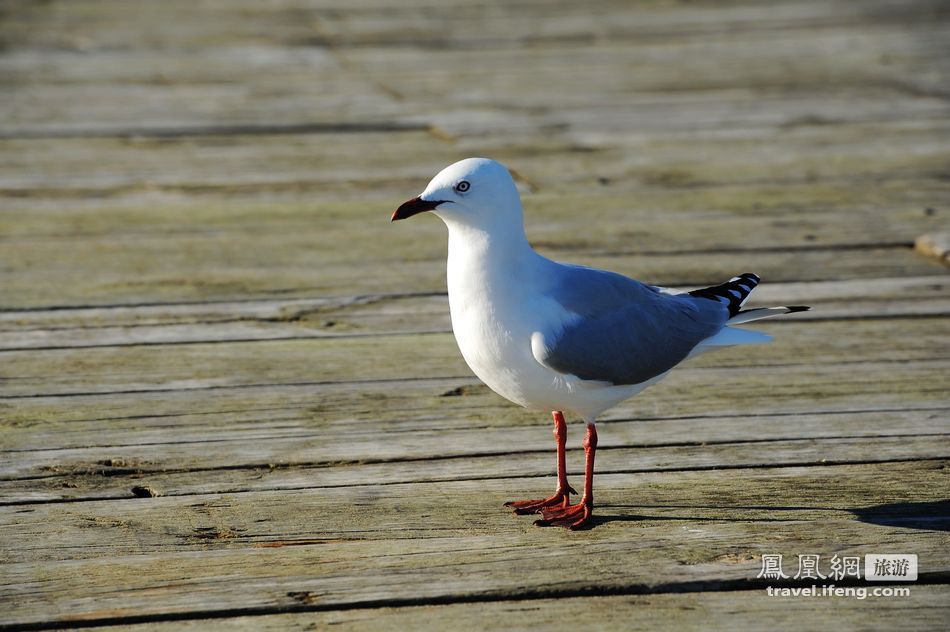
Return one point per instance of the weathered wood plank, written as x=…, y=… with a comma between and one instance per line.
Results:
x=224, y=250
x=714, y=540
x=688, y=391
x=110, y=24
x=472, y=424
x=227, y=250
x=427, y=404
x=180, y=207
x=285, y=461
x=327, y=167
x=640, y=202
x=166, y=270
x=411, y=506
x=269, y=319
x=926, y=610
x=543, y=68
x=818, y=353
x=816, y=344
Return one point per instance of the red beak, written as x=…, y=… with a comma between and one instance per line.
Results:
x=414, y=207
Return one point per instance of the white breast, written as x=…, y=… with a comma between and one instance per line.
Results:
x=494, y=341
x=496, y=306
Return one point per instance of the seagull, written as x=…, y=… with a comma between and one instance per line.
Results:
x=559, y=337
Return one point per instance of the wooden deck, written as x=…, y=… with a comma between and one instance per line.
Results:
x=229, y=393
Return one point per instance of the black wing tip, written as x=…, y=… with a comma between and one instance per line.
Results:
x=732, y=293
x=748, y=277
x=798, y=308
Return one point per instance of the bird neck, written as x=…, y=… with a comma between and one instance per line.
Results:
x=492, y=245
x=483, y=262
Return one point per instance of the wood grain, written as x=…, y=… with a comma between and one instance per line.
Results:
x=229, y=392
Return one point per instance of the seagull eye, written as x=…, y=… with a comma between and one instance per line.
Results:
x=462, y=186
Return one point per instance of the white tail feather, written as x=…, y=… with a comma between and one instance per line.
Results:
x=730, y=337
x=759, y=313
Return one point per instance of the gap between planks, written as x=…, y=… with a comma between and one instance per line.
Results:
x=379, y=315
x=189, y=131
x=138, y=474
x=525, y=595
x=682, y=558
x=934, y=363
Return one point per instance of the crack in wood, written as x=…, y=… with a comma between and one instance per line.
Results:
x=218, y=387
x=246, y=129
x=445, y=479
x=304, y=601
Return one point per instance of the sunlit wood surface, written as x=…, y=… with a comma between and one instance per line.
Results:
x=229, y=393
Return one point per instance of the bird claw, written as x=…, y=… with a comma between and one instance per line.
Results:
x=560, y=499
x=570, y=517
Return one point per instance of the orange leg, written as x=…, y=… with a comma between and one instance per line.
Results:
x=576, y=516
x=561, y=497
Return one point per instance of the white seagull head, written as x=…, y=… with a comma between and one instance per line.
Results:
x=475, y=193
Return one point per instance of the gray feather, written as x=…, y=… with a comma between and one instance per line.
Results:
x=627, y=332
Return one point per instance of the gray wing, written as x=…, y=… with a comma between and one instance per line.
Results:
x=626, y=332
